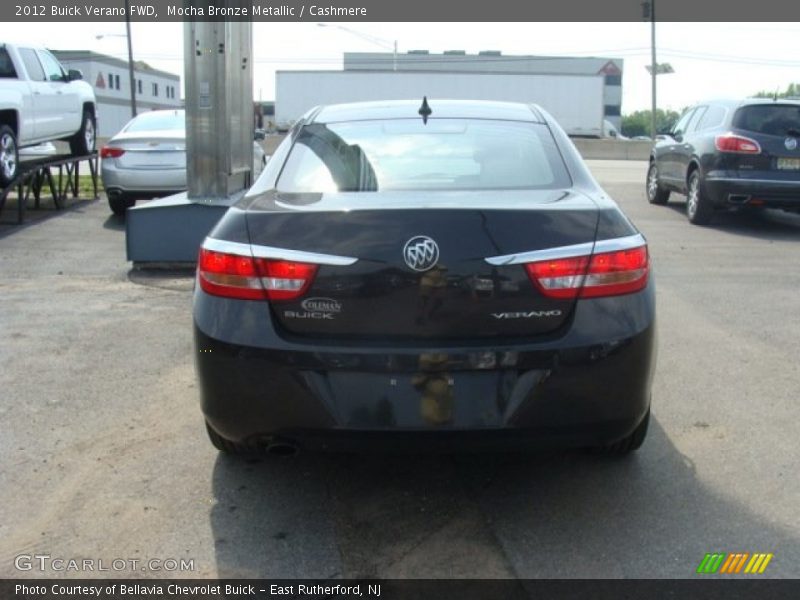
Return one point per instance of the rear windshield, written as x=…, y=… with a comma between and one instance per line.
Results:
x=406, y=154
x=158, y=121
x=771, y=119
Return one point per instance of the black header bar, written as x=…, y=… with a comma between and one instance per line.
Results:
x=442, y=11
x=706, y=587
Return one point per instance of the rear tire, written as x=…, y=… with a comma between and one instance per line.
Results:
x=630, y=443
x=84, y=141
x=655, y=193
x=9, y=155
x=119, y=204
x=227, y=446
x=698, y=206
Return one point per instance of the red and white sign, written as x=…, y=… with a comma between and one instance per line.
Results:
x=610, y=68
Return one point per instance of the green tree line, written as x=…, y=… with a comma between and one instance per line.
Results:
x=792, y=91
x=638, y=123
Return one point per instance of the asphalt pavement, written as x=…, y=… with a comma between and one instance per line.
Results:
x=104, y=454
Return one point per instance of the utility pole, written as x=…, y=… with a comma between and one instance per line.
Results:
x=653, y=67
x=130, y=57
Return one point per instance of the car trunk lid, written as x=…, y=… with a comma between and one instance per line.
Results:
x=151, y=150
x=385, y=295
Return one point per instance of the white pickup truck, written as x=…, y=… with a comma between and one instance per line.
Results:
x=41, y=102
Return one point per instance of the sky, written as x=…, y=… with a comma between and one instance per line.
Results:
x=709, y=59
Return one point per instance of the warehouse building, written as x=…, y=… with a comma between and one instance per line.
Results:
x=110, y=78
x=458, y=61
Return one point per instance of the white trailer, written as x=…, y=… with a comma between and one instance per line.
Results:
x=575, y=101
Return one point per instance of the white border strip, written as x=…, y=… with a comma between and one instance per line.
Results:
x=612, y=245
x=257, y=251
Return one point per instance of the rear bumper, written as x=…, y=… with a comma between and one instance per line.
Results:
x=591, y=386
x=728, y=190
x=452, y=441
x=142, y=183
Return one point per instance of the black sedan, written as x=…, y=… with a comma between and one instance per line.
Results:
x=442, y=274
x=730, y=154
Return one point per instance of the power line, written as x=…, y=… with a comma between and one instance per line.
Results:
x=729, y=59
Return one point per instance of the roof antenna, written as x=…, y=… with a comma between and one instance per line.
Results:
x=425, y=110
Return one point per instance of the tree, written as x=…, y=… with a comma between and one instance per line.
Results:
x=792, y=91
x=638, y=123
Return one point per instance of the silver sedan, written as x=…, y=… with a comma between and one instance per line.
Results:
x=147, y=159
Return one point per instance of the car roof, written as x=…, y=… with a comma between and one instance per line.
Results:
x=409, y=109
x=146, y=114
x=23, y=45
x=159, y=111
x=737, y=102
x=751, y=101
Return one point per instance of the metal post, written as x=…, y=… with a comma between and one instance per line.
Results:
x=219, y=145
x=394, y=62
x=219, y=108
x=653, y=67
x=130, y=57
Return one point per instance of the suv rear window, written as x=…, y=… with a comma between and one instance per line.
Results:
x=771, y=119
x=406, y=154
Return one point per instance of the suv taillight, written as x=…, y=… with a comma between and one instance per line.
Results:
x=605, y=274
x=737, y=144
x=248, y=278
x=111, y=152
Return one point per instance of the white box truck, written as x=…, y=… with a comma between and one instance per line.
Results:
x=575, y=101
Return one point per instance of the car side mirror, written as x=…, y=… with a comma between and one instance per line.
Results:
x=74, y=75
x=259, y=134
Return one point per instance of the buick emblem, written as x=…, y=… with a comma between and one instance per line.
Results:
x=421, y=253
x=790, y=143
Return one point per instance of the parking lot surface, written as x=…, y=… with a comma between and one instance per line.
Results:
x=105, y=455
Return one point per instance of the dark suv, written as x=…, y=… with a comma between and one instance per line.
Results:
x=724, y=154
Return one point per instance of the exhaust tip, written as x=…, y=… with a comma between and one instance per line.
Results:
x=282, y=449
x=277, y=447
x=738, y=198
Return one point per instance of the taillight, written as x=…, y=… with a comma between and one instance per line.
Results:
x=605, y=274
x=284, y=279
x=248, y=278
x=738, y=144
x=111, y=152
